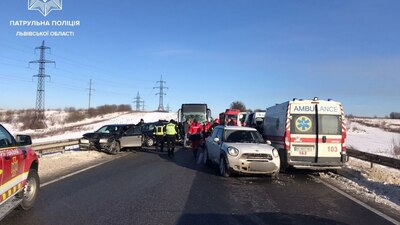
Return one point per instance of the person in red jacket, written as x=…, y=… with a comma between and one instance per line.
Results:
x=206, y=130
x=195, y=131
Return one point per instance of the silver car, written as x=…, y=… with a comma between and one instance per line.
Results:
x=241, y=150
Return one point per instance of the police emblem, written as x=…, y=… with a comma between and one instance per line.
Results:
x=45, y=6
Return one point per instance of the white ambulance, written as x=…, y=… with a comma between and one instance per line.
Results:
x=307, y=133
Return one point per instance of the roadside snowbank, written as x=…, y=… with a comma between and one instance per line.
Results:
x=372, y=140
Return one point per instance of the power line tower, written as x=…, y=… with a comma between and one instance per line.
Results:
x=168, y=108
x=40, y=100
x=161, y=93
x=90, y=89
x=143, y=105
x=138, y=102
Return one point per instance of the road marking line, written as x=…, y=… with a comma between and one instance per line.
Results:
x=200, y=158
x=79, y=171
x=379, y=213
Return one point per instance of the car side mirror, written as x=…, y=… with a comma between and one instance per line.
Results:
x=268, y=142
x=216, y=140
x=24, y=140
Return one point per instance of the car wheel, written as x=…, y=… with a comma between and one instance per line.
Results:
x=30, y=191
x=223, y=168
x=149, y=142
x=115, y=147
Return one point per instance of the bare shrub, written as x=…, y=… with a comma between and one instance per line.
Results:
x=106, y=109
x=7, y=116
x=395, y=148
x=75, y=116
x=124, y=108
x=70, y=109
x=29, y=121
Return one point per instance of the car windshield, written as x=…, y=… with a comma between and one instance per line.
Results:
x=243, y=136
x=109, y=129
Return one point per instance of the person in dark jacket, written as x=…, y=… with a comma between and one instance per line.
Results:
x=140, y=124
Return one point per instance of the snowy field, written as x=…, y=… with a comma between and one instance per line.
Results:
x=373, y=140
x=76, y=130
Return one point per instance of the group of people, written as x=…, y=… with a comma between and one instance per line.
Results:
x=197, y=132
x=194, y=132
x=166, y=133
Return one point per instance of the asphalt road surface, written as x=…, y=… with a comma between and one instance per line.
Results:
x=149, y=188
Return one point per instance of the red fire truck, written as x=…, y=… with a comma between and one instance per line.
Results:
x=19, y=179
x=232, y=114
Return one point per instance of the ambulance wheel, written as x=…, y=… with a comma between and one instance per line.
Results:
x=30, y=191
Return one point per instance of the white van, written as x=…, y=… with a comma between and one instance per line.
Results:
x=307, y=133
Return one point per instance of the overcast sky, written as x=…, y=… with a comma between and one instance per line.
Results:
x=260, y=52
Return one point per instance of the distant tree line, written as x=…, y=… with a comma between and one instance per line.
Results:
x=24, y=118
x=394, y=115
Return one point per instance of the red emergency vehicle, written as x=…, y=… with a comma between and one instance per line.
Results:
x=232, y=114
x=19, y=179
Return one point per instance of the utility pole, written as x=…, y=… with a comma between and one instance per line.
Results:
x=138, y=102
x=161, y=93
x=143, y=105
x=40, y=93
x=90, y=93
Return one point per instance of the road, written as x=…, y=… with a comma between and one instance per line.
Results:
x=150, y=188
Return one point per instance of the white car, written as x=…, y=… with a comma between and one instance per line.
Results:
x=241, y=150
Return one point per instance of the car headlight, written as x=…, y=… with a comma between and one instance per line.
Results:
x=275, y=153
x=103, y=140
x=233, y=151
x=84, y=141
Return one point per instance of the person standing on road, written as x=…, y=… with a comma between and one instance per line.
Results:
x=140, y=124
x=195, y=135
x=159, y=134
x=171, y=130
x=216, y=123
x=186, y=127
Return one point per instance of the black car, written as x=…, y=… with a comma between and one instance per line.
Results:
x=148, y=132
x=112, y=138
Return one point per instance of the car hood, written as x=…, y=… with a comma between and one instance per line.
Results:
x=251, y=147
x=97, y=135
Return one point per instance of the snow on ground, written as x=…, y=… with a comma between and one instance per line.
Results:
x=50, y=165
x=371, y=139
x=90, y=125
x=378, y=184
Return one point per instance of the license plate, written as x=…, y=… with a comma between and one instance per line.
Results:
x=304, y=148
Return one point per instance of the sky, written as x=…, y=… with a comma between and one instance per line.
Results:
x=215, y=52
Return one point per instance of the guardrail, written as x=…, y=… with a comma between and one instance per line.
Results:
x=55, y=146
x=378, y=159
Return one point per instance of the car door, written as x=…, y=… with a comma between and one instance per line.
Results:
x=132, y=137
x=12, y=162
x=215, y=146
